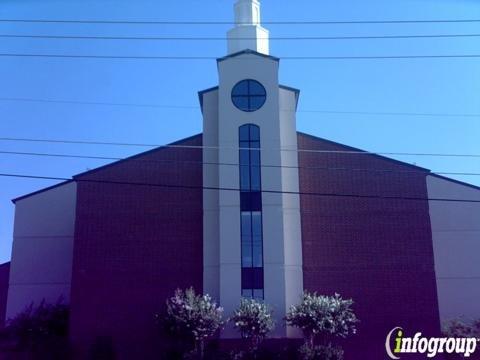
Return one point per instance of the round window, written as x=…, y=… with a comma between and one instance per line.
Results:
x=248, y=95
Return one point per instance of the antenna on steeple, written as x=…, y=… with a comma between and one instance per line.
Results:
x=248, y=32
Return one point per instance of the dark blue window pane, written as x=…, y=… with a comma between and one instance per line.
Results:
x=257, y=255
x=247, y=278
x=247, y=293
x=250, y=200
x=254, y=133
x=255, y=158
x=257, y=274
x=255, y=183
x=244, y=133
x=242, y=103
x=244, y=145
x=256, y=102
x=255, y=88
x=248, y=95
x=247, y=258
x=245, y=179
x=240, y=89
x=246, y=223
x=244, y=158
x=257, y=224
x=258, y=294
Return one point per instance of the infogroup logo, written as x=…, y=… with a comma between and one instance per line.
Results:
x=397, y=344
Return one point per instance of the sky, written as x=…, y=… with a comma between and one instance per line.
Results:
x=340, y=99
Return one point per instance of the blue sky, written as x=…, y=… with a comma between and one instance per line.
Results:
x=448, y=86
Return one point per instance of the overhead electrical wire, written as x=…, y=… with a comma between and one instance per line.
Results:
x=153, y=57
x=194, y=187
x=192, y=107
x=133, y=159
x=359, y=152
x=211, y=22
x=207, y=38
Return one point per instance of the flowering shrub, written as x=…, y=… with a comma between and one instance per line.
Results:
x=197, y=315
x=254, y=320
x=328, y=316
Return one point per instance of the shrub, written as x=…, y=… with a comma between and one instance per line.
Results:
x=460, y=328
x=254, y=320
x=321, y=352
x=194, y=315
x=323, y=317
x=40, y=329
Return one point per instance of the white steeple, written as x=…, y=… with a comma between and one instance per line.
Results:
x=248, y=33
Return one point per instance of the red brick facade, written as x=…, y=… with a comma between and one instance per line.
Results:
x=377, y=251
x=4, y=279
x=134, y=245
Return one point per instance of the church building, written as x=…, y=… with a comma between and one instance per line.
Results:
x=249, y=208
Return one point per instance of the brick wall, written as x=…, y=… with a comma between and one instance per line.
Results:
x=4, y=280
x=134, y=245
x=376, y=251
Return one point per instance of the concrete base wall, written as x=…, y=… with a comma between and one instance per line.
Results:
x=41, y=266
x=456, y=240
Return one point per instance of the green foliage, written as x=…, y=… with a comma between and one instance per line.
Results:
x=197, y=316
x=458, y=328
x=254, y=320
x=41, y=329
x=322, y=316
x=321, y=352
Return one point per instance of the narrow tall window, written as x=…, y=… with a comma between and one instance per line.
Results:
x=251, y=212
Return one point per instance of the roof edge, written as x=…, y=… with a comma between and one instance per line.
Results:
x=41, y=191
x=247, y=51
x=419, y=168
x=296, y=91
x=135, y=156
x=202, y=92
x=459, y=182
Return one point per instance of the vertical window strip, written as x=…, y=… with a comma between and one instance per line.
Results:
x=251, y=215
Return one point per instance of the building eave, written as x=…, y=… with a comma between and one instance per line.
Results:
x=247, y=51
x=89, y=172
x=203, y=92
x=350, y=148
x=41, y=191
x=455, y=181
x=296, y=91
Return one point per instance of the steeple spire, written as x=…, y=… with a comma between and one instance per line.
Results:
x=248, y=33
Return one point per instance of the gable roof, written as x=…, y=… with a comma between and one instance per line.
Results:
x=75, y=177
x=178, y=142
x=247, y=51
x=41, y=190
x=455, y=181
x=351, y=148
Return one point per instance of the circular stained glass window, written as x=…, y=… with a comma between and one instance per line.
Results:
x=248, y=95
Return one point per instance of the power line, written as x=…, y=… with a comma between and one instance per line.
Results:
x=159, y=106
x=290, y=22
x=163, y=161
x=152, y=57
x=359, y=152
x=194, y=187
x=208, y=38
x=192, y=107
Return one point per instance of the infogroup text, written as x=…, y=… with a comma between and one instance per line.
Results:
x=397, y=344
